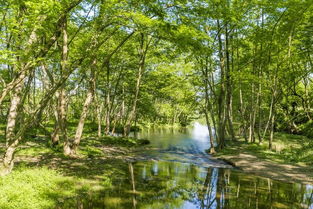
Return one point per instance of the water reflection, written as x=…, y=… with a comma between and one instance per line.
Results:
x=184, y=177
x=163, y=184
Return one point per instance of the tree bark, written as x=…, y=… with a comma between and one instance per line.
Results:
x=81, y=123
x=55, y=138
x=221, y=107
x=252, y=116
x=108, y=98
x=207, y=107
x=11, y=144
x=99, y=114
x=62, y=105
x=228, y=87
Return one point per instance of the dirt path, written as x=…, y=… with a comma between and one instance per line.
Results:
x=278, y=171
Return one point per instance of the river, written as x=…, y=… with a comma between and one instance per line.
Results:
x=180, y=175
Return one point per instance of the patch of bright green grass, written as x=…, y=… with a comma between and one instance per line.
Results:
x=90, y=151
x=34, y=188
x=29, y=188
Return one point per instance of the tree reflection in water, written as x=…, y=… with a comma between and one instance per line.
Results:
x=160, y=184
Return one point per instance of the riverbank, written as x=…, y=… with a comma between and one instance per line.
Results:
x=291, y=159
x=38, y=150
x=44, y=178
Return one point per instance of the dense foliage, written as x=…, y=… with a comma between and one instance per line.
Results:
x=245, y=66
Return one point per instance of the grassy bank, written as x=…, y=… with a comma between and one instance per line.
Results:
x=287, y=148
x=291, y=158
x=44, y=178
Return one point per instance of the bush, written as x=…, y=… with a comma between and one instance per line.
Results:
x=306, y=129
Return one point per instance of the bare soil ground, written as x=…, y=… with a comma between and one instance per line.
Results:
x=250, y=163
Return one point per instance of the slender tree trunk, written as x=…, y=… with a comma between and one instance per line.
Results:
x=62, y=107
x=108, y=98
x=269, y=117
x=252, y=116
x=306, y=102
x=221, y=107
x=212, y=150
x=134, y=107
x=142, y=51
x=253, y=103
x=114, y=125
x=55, y=135
x=260, y=110
x=228, y=87
x=270, y=143
x=11, y=143
x=273, y=112
x=207, y=108
x=81, y=123
x=260, y=75
x=99, y=114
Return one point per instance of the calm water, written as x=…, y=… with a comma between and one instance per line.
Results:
x=181, y=175
x=186, y=145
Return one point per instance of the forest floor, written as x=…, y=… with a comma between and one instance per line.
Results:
x=290, y=160
x=44, y=178
x=38, y=153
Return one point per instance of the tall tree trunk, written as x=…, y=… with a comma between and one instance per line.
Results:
x=260, y=75
x=11, y=144
x=228, y=86
x=81, y=123
x=207, y=108
x=270, y=142
x=62, y=107
x=253, y=103
x=143, y=49
x=99, y=116
x=108, y=98
x=259, y=99
x=269, y=117
x=273, y=112
x=221, y=106
x=55, y=134
x=252, y=115
x=132, y=114
x=212, y=150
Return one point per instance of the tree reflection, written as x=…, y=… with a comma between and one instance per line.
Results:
x=160, y=184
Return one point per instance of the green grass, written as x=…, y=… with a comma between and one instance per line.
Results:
x=29, y=188
x=45, y=178
x=287, y=148
x=34, y=188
